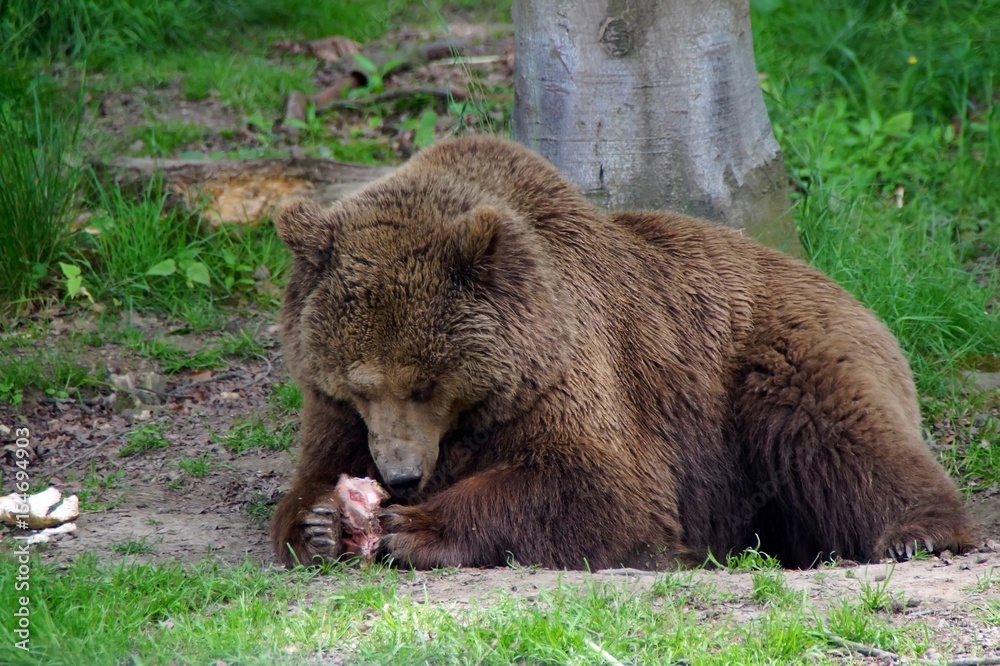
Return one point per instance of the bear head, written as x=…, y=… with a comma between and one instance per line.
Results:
x=418, y=304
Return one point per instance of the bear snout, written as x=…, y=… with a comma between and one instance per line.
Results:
x=400, y=464
x=406, y=484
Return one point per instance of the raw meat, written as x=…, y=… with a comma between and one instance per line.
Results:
x=360, y=499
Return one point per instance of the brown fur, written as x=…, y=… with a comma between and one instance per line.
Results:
x=564, y=387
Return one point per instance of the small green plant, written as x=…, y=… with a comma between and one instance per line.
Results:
x=145, y=438
x=858, y=624
x=74, y=281
x=359, y=149
x=139, y=546
x=374, y=74
x=875, y=597
x=194, y=271
x=67, y=376
x=242, y=345
x=990, y=613
x=258, y=432
x=682, y=588
x=16, y=375
x=286, y=397
x=166, y=138
x=94, y=495
x=751, y=559
x=198, y=467
x=10, y=393
x=769, y=587
x=235, y=274
x=671, y=582
x=313, y=127
x=259, y=510
x=986, y=581
x=780, y=638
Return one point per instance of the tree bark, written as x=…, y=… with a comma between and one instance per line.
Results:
x=652, y=104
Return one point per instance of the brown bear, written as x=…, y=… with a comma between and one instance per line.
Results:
x=537, y=381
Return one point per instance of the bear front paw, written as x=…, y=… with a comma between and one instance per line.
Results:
x=321, y=529
x=416, y=537
x=932, y=536
x=303, y=535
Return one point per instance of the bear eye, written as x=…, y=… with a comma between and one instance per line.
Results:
x=423, y=391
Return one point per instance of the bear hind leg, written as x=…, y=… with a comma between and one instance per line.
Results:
x=841, y=454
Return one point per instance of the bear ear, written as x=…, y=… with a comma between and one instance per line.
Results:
x=478, y=238
x=306, y=229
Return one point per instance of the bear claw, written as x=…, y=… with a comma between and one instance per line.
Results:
x=321, y=532
x=905, y=550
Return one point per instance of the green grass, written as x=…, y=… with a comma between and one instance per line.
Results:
x=973, y=455
x=986, y=582
x=199, y=467
x=94, y=612
x=990, y=613
x=875, y=597
x=101, y=491
x=286, y=397
x=912, y=276
x=886, y=115
x=259, y=510
x=769, y=587
x=252, y=432
x=751, y=559
x=173, y=359
x=53, y=373
x=139, y=546
x=244, y=82
x=138, y=254
x=27, y=366
x=143, y=439
x=103, y=31
x=162, y=139
x=855, y=623
x=37, y=184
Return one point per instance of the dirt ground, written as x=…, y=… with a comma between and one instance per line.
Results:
x=147, y=499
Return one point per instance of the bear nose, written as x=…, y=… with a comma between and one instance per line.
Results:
x=404, y=484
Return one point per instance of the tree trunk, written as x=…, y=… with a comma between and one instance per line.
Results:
x=652, y=104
